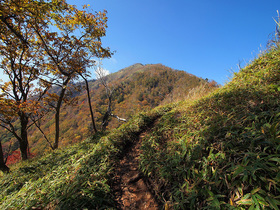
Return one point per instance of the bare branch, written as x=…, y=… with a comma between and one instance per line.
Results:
x=18, y=34
x=42, y=132
x=118, y=118
x=89, y=103
x=11, y=129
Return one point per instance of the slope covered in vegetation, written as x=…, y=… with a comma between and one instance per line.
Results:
x=135, y=88
x=220, y=151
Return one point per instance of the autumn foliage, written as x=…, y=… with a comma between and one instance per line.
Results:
x=46, y=47
x=16, y=157
x=135, y=88
x=43, y=44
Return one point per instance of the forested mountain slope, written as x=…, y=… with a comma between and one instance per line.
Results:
x=220, y=151
x=135, y=88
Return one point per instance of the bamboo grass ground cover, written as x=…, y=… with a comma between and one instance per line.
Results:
x=76, y=177
x=221, y=151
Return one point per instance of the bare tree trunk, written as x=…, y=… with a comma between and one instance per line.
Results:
x=106, y=116
x=109, y=93
x=23, y=141
x=56, y=140
x=89, y=104
x=57, y=116
x=57, y=112
x=3, y=166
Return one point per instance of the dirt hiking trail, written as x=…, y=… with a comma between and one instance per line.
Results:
x=132, y=189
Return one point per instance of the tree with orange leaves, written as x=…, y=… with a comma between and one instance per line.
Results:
x=22, y=65
x=42, y=44
x=70, y=52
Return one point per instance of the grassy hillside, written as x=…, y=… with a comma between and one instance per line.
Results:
x=220, y=151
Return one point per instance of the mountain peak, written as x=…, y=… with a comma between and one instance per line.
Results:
x=132, y=67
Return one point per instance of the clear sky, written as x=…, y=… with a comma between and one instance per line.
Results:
x=205, y=38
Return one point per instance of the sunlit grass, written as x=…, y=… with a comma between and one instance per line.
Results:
x=222, y=150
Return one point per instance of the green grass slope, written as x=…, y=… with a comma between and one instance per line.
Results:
x=221, y=151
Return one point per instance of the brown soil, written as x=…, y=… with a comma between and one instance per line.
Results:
x=131, y=187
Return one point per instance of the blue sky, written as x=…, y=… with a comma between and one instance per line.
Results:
x=205, y=38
